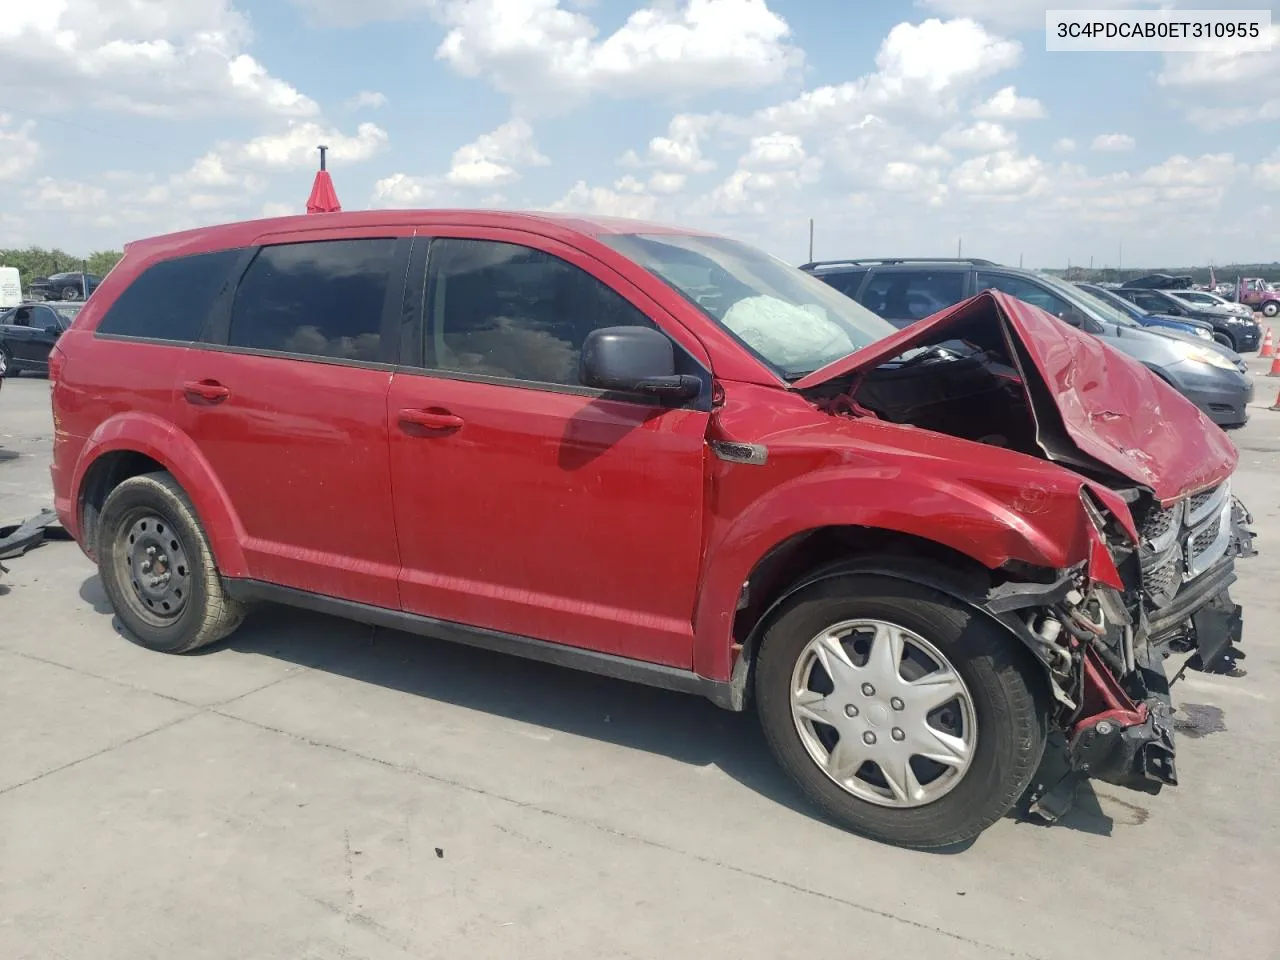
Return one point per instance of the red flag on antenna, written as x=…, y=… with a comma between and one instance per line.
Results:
x=323, y=199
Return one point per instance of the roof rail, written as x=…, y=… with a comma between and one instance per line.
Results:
x=887, y=261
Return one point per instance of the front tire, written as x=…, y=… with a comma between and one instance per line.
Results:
x=1270, y=308
x=157, y=568
x=71, y=293
x=900, y=713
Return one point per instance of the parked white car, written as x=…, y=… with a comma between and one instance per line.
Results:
x=1211, y=301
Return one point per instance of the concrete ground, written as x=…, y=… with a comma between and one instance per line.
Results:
x=314, y=789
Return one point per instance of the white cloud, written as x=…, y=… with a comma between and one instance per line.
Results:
x=980, y=137
x=344, y=13
x=680, y=150
x=601, y=201
x=1214, y=119
x=774, y=150
x=773, y=165
x=1023, y=14
x=1005, y=104
x=402, y=190
x=492, y=158
x=274, y=208
x=1112, y=142
x=546, y=57
x=1003, y=173
x=1267, y=173
x=295, y=149
x=921, y=67
x=1064, y=145
x=1224, y=69
x=65, y=195
x=666, y=183
x=365, y=100
x=152, y=59
x=18, y=149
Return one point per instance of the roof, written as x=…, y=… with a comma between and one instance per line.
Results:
x=558, y=225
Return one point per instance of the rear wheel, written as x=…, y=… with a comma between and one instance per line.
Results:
x=71, y=293
x=7, y=358
x=1271, y=308
x=157, y=569
x=902, y=714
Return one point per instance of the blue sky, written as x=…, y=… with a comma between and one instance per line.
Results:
x=899, y=127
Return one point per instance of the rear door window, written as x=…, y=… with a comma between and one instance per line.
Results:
x=322, y=298
x=905, y=296
x=170, y=300
x=846, y=281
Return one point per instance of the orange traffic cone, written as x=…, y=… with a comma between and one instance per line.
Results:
x=1268, y=346
x=1276, y=405
x=1275, y=368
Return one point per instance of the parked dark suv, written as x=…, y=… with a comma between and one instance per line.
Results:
x=1241, y=334
x=668, y=457
x=904, y=291
x=29, y=331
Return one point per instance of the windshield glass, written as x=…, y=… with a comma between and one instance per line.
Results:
x=1096, y=307
x=1131, y=310
x=792, y=321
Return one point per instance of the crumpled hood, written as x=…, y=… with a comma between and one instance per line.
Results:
x=1111, y=407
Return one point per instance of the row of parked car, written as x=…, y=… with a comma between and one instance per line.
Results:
x=1191, y=347
x=669, y=457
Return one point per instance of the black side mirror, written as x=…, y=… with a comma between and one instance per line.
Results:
x=1073, y=317
x=53, y=330
x=634, y=360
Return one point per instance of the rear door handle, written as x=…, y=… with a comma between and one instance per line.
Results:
x=441, y=420
x=210, y=391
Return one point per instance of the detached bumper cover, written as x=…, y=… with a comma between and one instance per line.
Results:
x=16, y=539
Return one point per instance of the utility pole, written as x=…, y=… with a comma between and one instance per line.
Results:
x=1019, y=261
x=811, y=239
x=1120, y=259
x=960, y=248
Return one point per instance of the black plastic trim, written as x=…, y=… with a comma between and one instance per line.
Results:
x=576, y=658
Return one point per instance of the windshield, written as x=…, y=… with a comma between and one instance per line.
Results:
x=1096, y=307
x=1131, y=310
x=789, y=319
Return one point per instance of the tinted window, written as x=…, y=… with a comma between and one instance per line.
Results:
x=1025, y=291
x=504, y=310
x=846, y=281
x=66, y=315
x=323, y=298
x=1152, y=302
x=912, y=295
x=171, y=299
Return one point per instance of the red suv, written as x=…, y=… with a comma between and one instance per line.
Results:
x=664, y=456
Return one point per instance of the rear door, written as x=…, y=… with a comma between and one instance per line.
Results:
x=286, y=397
x=525, y=502
x=18, y=334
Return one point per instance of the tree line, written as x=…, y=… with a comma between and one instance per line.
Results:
x=38, y=262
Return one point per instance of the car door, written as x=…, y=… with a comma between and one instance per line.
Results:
x=18, y=335
x=286, y=397
x=525, y=502
x=45, y=330
x=1031, y=292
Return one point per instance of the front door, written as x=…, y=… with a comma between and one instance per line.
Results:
x=288, y=405
x=526, y=503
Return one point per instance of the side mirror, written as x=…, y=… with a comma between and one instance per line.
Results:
x=634, y=360
x=53, y=330
x=1073, y=317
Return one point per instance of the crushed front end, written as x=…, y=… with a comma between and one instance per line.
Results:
x=1105, y=627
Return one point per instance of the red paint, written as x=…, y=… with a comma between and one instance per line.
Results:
x=1104, y=699
x=1160, y=439
x=323, y=199
x=563, y=515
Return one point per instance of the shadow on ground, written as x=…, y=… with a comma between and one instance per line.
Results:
x=684, y=728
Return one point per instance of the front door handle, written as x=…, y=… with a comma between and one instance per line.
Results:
x=210, y=391
x=438, y=420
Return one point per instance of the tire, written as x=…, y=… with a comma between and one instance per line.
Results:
x=70, y=293
x=152, y=508
x=10, y=369
x=1007, y=707
x=1271, y=308
x=1225, y=340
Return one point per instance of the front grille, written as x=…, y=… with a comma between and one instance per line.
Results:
x=1162, y=582
x=1200, y=499
x=1205, y=538
x=1158, y=523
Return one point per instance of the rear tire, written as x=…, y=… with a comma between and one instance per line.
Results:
x=999, y=692
x=157, y=568
x=1270, y=308
x=70, y=293
x=10, y=369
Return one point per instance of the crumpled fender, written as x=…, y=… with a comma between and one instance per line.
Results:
x=163, y=442
x=1036, y=517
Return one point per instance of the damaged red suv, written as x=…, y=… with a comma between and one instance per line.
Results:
x=663, y=456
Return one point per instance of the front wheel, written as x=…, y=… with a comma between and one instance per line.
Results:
x=1271, y=308
x=899, y=712
x=71, y=293
x=1224, y=340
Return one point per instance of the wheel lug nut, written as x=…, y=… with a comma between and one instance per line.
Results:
x=899, y=734
x=869, y=738
x=897, y=703
x=868, y=690
x=850, y=710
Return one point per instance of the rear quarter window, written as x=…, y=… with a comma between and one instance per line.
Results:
x=171, y=299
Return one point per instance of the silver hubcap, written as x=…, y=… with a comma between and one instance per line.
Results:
x=157, y=568
x=883, y=713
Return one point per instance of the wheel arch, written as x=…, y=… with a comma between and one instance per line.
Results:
x=132, y=444
x=830, y=552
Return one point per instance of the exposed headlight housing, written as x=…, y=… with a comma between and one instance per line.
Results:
x=1203, y=334
x=1210, y=358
